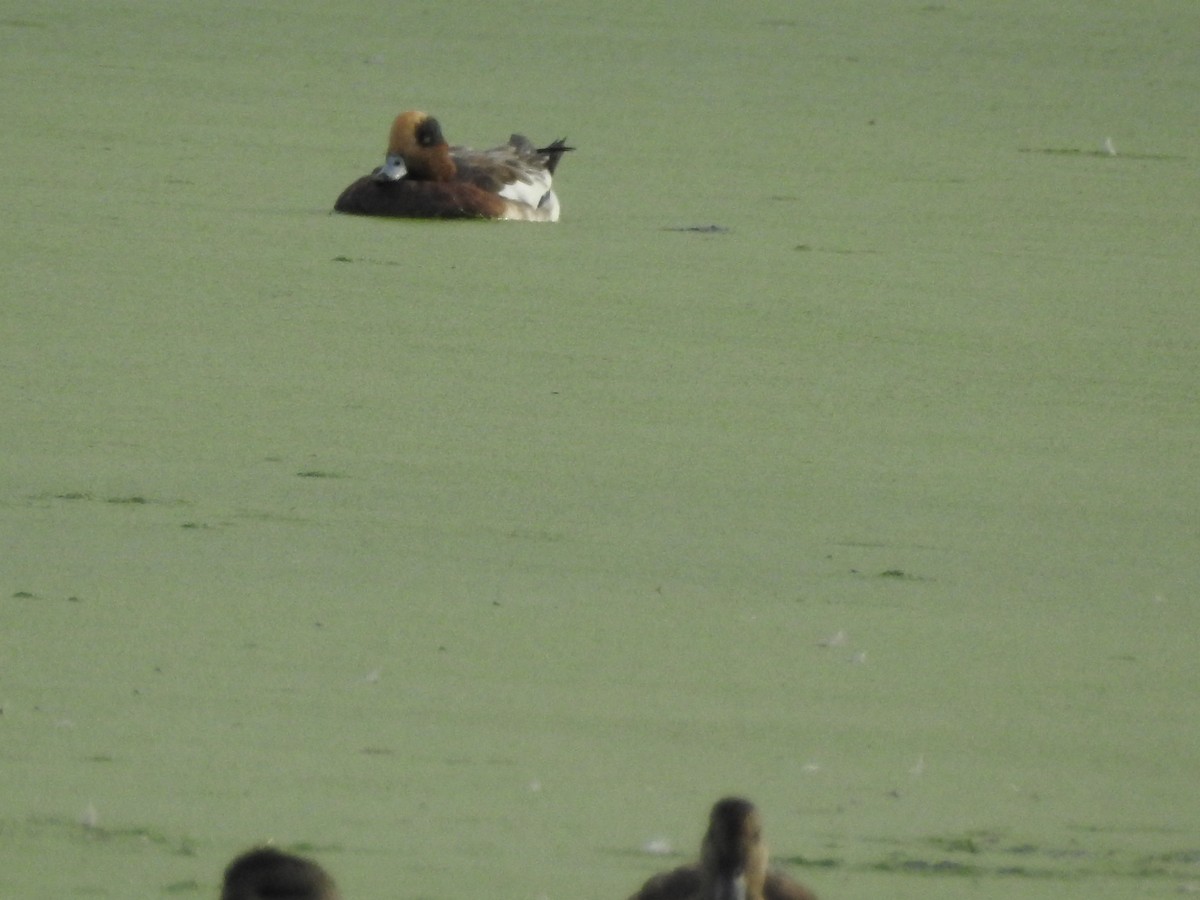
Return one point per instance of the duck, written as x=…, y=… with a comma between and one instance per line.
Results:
x=264, y=873
x=423, y=177
x=733, y=863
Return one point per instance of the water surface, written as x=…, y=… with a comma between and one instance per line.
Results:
x=472, y=557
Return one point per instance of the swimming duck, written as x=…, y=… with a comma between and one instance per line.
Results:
x=265, y=873
x=424, y=177
x=732, y=866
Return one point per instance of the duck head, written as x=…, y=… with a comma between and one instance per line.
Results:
x=733, y=857
x=416, y=149
x=265, y=873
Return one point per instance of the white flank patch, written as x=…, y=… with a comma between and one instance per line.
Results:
x=549, y=204
x=530, y=192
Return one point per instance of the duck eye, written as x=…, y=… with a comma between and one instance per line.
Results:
x=429, y=133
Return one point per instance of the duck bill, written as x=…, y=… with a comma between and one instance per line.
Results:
x=392, y=169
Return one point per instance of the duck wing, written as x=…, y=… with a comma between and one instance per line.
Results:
x=517, y=170
x=780, y=887
x=683, y=883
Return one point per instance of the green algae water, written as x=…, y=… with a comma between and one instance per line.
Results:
x=837, y=449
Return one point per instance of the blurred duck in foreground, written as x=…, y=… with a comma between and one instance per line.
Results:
x=732, y=866
x=269, y=874
x=423, y=177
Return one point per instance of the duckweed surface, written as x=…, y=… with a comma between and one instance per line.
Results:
x=474, y=558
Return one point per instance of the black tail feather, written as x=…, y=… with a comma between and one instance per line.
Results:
x=553, y=153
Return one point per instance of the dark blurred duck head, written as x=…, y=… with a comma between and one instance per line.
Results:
x=733, y=857
x=269, y=874
x=732, y=866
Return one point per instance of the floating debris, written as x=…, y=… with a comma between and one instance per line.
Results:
x=1107, y=151
x=658, y=847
